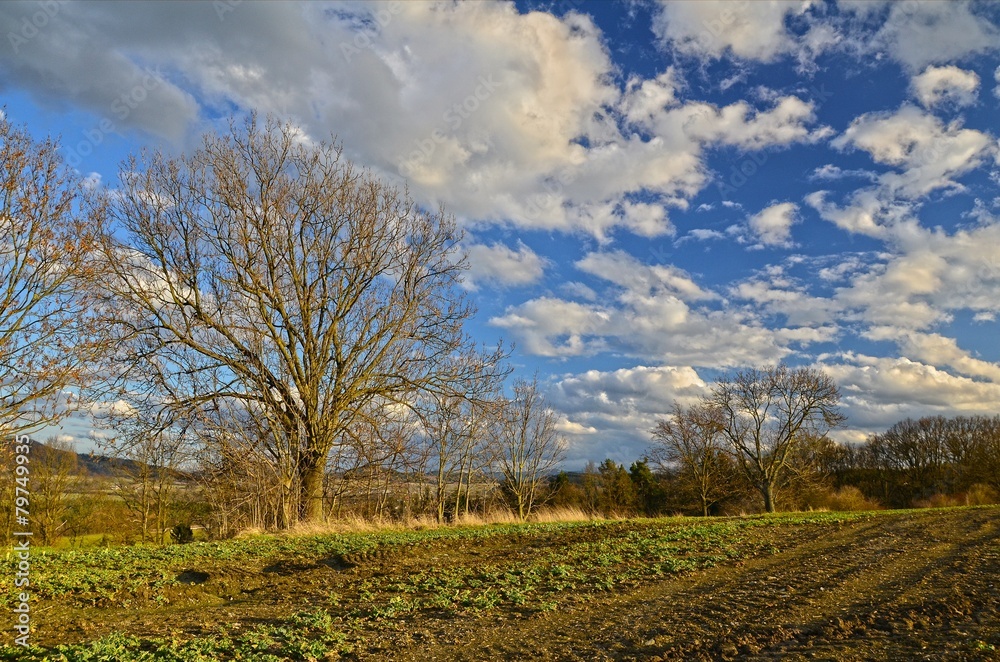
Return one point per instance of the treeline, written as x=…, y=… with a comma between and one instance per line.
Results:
x=930, y=462
x=933, y=461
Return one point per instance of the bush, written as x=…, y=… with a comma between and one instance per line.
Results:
x=847, y=498
x=940, y=501
x=182, y=534
x=981, y=495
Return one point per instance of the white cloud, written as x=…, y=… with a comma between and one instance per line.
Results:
x=931, y=275
x=502, y=117
x=772, y=226
x=800, y=309
x=937, y=85
x=711, y=28
x=877, y=392
x=578, y=290
x=648, y=311
x=566, y=426
x=548, y=326
x=642, y=390
x=623, y=405
x=703, y=234
x=937, y=350
x=646, y=99
x=626, y=271
x=833, y=172
x=739, y=125
x=496, y=263
x=866, y=214
x=930, y=153
x=927, y=156
x=921, y=33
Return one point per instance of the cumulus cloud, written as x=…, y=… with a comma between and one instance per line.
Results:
x=925, y=154
x=739, y=125
x=931, y=274
x=930, y=153
x=833, y=172
x=879, y=391
x=499, y=264
x=626, y=271
x=949, y=84
x=503, y=117
x=772, y=226
x=70, y=62
x=649, y=311
x=713, y=28
x=622, y=404
x=937, y=350
x=921, y=33
x=792, y=300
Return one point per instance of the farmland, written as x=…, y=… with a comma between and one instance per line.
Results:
x=882, y=585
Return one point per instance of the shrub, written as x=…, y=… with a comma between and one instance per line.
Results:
x=182, y=534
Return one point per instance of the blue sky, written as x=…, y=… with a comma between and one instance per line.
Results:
x=654, y=193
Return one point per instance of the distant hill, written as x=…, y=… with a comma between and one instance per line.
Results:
x=91, y=464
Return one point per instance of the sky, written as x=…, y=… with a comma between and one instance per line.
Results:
x=653, y=193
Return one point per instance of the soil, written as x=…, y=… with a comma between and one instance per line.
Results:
x=915, y=585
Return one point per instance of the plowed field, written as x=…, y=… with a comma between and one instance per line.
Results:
x=914, y=585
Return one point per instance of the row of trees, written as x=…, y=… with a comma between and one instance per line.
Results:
x=766, y=429
x=926, y=461
x=261, y=312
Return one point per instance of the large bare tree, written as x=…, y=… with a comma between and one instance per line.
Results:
x=766, y=413
x=265, y=269
x=46, y=340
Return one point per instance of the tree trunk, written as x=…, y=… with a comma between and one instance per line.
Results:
x=312, y=492
x=767, y=491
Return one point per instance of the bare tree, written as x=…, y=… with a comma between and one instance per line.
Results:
x=456, y=423
x=46, y=338
x=267, y=270
x=528, y=447
x=766, y=413
x=53, y=469
x=691, y=443
x=152, y=453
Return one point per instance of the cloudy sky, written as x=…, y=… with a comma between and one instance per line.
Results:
x=654, y=192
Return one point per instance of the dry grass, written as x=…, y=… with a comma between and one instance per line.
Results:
x=981, y=495
x=849, y=498
x=358, y=524
x=564, y=514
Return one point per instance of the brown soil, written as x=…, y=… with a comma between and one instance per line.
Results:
x=907, y=586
